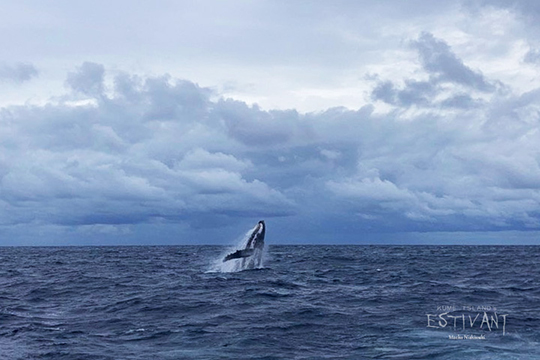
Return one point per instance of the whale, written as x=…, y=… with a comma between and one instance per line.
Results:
x=254, y=246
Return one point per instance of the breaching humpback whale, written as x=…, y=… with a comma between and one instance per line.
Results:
x=254, y=246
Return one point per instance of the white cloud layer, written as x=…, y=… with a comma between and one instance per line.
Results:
x=447, y=142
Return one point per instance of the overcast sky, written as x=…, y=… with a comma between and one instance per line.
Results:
x=185, y=122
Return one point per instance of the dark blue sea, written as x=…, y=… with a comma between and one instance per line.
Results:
x=307, y=302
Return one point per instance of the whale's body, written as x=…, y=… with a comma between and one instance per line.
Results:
x=251, y=254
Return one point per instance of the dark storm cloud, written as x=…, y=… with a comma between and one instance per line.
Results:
x=413, y=92
x=444, y=69
x=150, y=151
x=386, y=92
x=17, y=73
x=156, y=151
x=254, y=127
x=438, y=60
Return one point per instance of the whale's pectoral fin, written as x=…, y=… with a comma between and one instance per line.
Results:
x=239, y=254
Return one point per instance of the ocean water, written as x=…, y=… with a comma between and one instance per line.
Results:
x=307, y=302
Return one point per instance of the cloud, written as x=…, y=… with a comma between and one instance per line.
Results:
x=88, y=79
x=17, y=73
x=449, y=84
x=532, y=56
x=374, y=190
x=420, y=93
x=529, y=9
x=120, y=153
x=149, y=151
x=439, y=61
x=253, y=127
